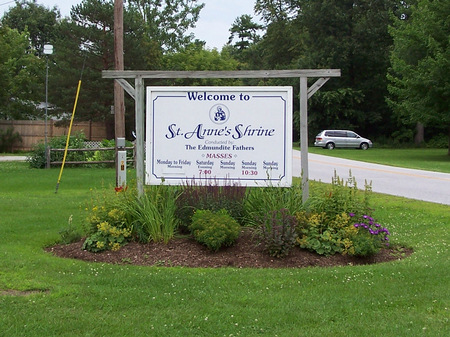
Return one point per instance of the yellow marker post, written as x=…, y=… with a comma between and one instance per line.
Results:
x=68, y=136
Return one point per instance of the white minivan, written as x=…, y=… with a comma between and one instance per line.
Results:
x=329, y=139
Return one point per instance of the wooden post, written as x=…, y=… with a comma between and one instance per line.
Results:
x=119, y=104
x=140, y=120
x=304, y=137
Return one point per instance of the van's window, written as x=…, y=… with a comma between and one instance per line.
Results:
x=351, y=134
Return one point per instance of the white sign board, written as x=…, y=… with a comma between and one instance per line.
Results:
x=229, y=134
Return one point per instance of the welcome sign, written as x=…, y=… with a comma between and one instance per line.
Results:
x=229, y=134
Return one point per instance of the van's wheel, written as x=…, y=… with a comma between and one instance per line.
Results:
x=330, y=146
x=364, y=146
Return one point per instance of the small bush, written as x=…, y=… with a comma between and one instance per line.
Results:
x=342, y=196
x=371, y=236
x=152, y=214
x=108, y=225
x=278, y=233
x=326, y=235
x=320, y=234
x=8, y=138
x=37, y=157
x=209, y=196
x=264, y=200
x=214, y=229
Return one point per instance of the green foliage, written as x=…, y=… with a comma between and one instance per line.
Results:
x=371, y=236
x=195, y=57
x=278, y=233
x=264, y=200
x=246, y=33
x=21, y=75
x=152, y=215
x=341, y=197
x=107, y=237
x=8, y=138
x=107, y=224
x=419, y=85
x=70, y=233
x=214, y=229
x=108, y=155
x=323, y=234
x=37, y=157
x=210, y=196
x=328, y=235
x=37, y=19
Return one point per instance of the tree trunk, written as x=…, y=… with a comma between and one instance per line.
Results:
x=448, y=152
x=419, y=137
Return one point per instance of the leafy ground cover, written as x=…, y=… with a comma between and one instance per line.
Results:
x=42, y=294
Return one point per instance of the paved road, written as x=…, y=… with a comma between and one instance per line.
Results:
x=409, y=183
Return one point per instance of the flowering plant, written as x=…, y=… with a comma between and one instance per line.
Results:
x=370, y=237
x=368, y=223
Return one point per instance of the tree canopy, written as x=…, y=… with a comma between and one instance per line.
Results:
x=420, y=58
x=393, y=56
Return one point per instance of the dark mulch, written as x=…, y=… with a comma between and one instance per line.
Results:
x=245, y=253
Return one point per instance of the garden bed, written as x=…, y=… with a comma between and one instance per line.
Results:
x=245, y=253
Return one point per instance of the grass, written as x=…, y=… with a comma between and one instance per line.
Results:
x=67, y=297
x=421, y=159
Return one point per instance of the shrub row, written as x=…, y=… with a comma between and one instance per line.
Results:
x=37, y=157
x=337, y=218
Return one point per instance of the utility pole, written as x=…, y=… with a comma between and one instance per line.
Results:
x=119, y=104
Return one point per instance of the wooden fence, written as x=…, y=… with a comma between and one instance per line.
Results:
x=49, y=150
x=33, y=131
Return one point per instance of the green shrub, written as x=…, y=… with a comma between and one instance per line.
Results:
x=209, y=196
x=370, y=237
x=107, y=237
x=264, y=200
x=321, y=234
x=327, y=235
x=108, y=155
x=8, y=138
x=108, y=227
x=37, y=157
x=340, y=197
x=214, y=229
x=152, y=214
x=278, y=233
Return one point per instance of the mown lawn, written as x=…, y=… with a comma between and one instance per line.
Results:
x=417, y=158
x=42, y=295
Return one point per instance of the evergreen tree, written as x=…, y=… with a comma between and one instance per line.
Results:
x=419, y=83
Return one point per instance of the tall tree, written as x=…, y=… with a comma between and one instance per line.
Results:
x=39, y=21
x=167, y=21
x=420, y=86
x=245, y=30
x=85, y=45
x=21, y=76
x=196, y=57
x=351, y=35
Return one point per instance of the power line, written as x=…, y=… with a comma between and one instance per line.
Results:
x=8, y=2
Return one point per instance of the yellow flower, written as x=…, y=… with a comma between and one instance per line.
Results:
x=100, y=244
x=104, y=227
x=115, y=247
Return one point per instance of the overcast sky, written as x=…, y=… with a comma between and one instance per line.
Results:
x=213, y=26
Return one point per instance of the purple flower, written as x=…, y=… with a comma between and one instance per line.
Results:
x=351, y=214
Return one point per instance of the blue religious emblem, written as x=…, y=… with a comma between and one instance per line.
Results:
x=220, y=115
